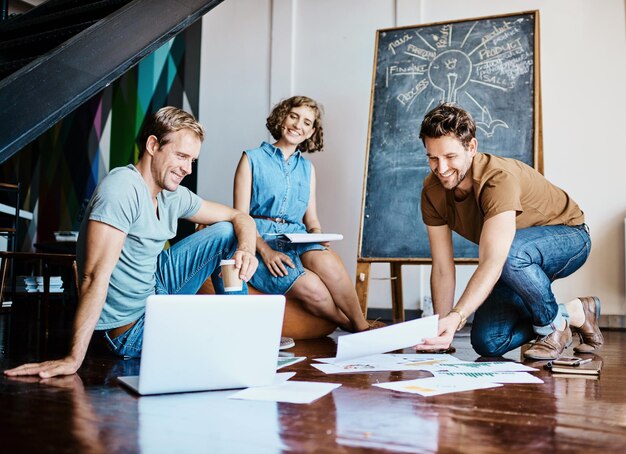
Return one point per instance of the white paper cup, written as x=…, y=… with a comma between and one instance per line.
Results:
x=230, y=276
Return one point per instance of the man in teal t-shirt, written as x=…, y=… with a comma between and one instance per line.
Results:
x=131, y=215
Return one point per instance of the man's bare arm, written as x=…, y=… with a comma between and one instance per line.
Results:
x=245, y=231
x=443, y=273
x=495, y=242
x=103, y=247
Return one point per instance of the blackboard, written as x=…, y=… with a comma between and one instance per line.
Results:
x=489, y=66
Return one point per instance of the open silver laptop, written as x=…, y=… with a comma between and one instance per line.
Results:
x=208, y=342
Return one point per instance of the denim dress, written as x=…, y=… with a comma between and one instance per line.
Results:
x=280, y=189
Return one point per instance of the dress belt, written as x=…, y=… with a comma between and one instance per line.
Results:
x=116, y=332
x=278, y=220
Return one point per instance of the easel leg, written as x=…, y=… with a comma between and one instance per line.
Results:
x=362, y=284
x=397, y=304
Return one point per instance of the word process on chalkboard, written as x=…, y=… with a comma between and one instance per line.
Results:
x=488, y=66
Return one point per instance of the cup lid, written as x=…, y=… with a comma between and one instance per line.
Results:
x=227, y=262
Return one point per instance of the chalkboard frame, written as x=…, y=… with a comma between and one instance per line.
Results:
x=537, y=140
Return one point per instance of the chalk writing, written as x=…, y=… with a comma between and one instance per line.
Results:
x=410, y=69
x=404, y=98
x=509, y=47
x=419, y=52
x=400, y=41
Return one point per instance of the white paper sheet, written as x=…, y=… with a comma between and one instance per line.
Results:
x=381, y=340
x=496, y=366
x=384, y=362
x=494, y=377
x=313, y=237
x=297, y=392
x=282, y=377
x=437, y=385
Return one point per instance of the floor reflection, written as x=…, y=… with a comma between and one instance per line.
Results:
x=76, y=422
x=207, y=422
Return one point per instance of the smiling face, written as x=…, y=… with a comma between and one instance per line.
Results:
x=449, y=160
x=297, y=126
x=172, y=160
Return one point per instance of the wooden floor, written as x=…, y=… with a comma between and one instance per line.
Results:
x=90, y=412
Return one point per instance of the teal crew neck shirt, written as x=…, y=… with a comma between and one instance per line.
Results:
x=123, y=201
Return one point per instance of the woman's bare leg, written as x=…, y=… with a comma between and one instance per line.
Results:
x=327, y=265
x=317, y=300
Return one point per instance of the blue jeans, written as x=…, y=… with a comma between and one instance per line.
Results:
x=181, y=270
x=521, y=304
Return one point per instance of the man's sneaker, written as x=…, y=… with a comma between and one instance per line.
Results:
x=286, y=342
x=550, y=346
x=589, y=333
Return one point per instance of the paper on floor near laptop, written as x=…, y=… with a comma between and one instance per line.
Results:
x=389, y=338
x=296, y=392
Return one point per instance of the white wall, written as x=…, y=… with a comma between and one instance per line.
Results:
x=256, y=52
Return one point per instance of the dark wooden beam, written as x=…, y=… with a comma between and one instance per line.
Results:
x=40, y=94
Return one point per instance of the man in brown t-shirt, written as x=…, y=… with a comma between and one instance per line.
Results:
x=529, y=233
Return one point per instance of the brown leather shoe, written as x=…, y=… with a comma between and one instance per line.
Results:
x=550, y=346
x=589, y=333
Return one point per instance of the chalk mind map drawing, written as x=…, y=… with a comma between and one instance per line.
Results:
x=452, y=62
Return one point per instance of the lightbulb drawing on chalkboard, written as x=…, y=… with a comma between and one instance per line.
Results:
x=449, y=72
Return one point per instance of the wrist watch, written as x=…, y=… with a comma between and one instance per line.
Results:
x=462, y=315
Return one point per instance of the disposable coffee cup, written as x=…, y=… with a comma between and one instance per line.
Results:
x=230, y=276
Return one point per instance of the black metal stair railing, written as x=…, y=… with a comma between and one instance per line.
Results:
x=99, y=50
x=27, y=36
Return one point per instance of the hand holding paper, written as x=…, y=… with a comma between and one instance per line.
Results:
x=382, y=340
x=443, y=338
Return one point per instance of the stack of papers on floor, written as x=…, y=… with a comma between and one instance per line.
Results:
x=449, y=374
x=35, y=284
x=366, y=352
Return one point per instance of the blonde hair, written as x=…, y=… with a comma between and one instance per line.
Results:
x=165, y=121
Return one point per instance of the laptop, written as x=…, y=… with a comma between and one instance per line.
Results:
x=208, y=342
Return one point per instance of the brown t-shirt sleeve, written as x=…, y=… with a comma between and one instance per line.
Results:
x=500, y=192
x=430, y=215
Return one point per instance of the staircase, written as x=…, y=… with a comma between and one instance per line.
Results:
x=59, y=54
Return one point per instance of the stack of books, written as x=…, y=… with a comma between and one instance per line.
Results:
x=66, y=236
x=35, y=284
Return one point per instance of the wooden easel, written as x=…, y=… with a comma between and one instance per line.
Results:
x=363, y=269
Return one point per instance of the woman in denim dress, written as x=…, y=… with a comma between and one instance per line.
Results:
x=275, y=184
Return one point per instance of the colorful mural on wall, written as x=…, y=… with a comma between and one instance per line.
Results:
x=59, y=171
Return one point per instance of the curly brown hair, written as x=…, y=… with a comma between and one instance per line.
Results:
x=275, y=121
x=165, y=121
x=448, y=118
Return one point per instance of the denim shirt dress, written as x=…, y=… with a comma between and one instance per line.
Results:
x=280, y=189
